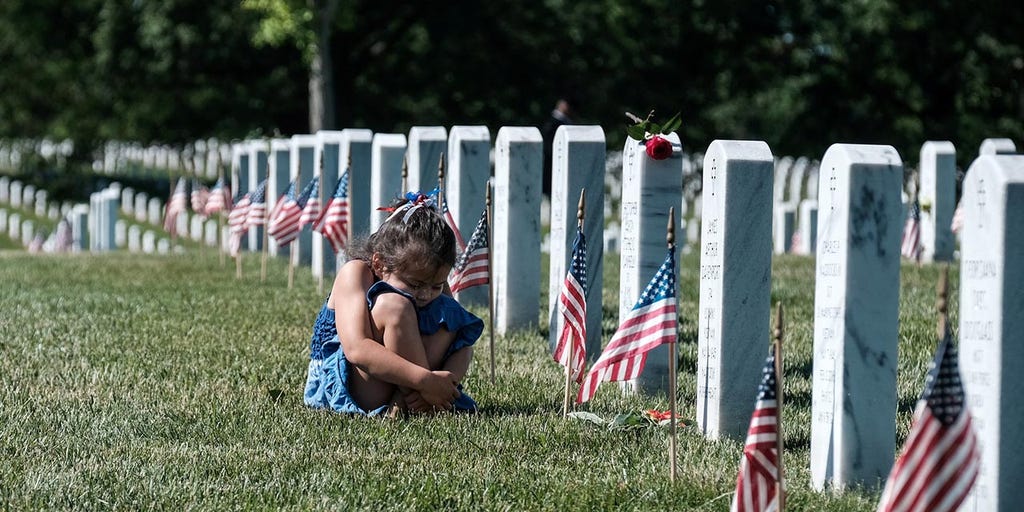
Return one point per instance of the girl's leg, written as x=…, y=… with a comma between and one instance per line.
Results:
x=397, y=328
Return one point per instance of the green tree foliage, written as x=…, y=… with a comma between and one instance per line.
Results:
x=799, y=75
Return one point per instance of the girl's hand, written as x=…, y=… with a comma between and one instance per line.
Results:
x=438, y=389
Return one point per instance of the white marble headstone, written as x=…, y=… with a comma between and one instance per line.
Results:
x=279, y=175
x=3, y=220
x=735, y=284
x=149, y=242
x=465, y=182
x=388, y=153
x=155, y=211
x=28, y=199
x=5, y=189
x=783, y=224
x=79, y=215
x=856, y=310
x=516, y=246
x=27, y=232
x=938, y=200
x=997, y=146
x=992, y=326
x=14, y=226
x=134, y=238
x=336, y=149
x=195, y=228
x=578, y=154
x=303, y=167
x=40, y=203
x=210, y=233
x=141, y=202
x=128, y=200
x=15, y=191
x=426, y=146
x=120, y=234
x=163, y=246
x=808, y=226
x=258, y=151
x=649, y=189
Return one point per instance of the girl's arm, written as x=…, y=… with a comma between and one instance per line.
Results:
x=356, y=334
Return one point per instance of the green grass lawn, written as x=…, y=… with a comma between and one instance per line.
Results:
x=132, y=382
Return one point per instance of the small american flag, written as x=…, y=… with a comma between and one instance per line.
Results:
x=200, y=195
x=177, y=204
x=448, y=219
x=572, y=304
x=219, y=198
x=651, y=322
x=910, y=247
x=940, y=458
x=285, y=226
x=471, y=267
x=311, y=211
x=759, y=467
x=333, y=222
x=257, y=206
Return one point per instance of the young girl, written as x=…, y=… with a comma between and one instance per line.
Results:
x=386, y=334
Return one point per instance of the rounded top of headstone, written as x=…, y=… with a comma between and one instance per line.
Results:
x=280, y=144
x=934, y=147
x=520, y=134
x=339, y=136
x=428, y=133
x=388, y=139
x=1004, y=168
x=303, y=140
x=470, y=132
x=752, y=150
x=580, y=133
x=861, y=154
x=997, y=146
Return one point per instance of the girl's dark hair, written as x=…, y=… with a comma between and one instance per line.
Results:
x=423, y=238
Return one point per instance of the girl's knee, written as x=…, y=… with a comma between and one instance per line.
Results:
x=392, y=308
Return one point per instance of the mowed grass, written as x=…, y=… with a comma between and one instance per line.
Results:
x=130, y=382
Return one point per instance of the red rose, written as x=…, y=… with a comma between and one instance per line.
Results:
x=658, y=147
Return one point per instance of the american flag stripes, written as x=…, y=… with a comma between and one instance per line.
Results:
x=652, y=321
x=471, y=267
x=236, y=222
x=257, y=206
x=219, y=199
x=572, y=304
x=333, y=222
x=910, y=247
x=941, y=457
x=311, y=211
x=177, y=204
x=285, y=225
x=200, y=194
x=759, y=467
x=448, y=219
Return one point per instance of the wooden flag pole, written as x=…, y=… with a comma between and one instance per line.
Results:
x=291, y=266
x=780, y=488
x=572, y=346
x=220, y=215
x=440, y=179
x=941, y=302
x=320, y=199
x=238, y=262
x=670, y=238
x=490, y=280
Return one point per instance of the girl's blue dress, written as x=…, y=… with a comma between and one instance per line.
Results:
x=327, y=375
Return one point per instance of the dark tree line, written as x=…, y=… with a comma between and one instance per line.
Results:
x=799, y=75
